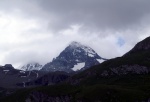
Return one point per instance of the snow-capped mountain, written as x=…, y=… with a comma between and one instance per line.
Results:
x=31, y=66
x=75, y=57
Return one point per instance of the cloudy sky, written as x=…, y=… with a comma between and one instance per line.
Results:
x=38, y=30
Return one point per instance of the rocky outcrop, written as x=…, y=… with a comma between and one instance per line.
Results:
x=126, y=69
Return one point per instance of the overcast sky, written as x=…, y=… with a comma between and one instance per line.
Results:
x=38, y=30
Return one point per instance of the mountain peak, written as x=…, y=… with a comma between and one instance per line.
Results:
x=75, y=44
x=74, y=57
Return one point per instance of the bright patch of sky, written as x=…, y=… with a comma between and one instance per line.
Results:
x=120, y=41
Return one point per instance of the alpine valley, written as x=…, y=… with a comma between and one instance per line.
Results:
x=79, y=74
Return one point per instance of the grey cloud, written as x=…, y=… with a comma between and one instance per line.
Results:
x=96, y=14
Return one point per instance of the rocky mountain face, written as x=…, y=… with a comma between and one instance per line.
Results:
x=9, y=76
x=50, y=78
x=75, y=57
x=31, y=66
x=14, y=78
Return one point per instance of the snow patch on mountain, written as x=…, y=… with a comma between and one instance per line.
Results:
x=90, y=55
x=78, y=66
x=100, y=60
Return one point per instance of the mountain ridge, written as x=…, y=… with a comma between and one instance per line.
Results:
x=140, y=46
